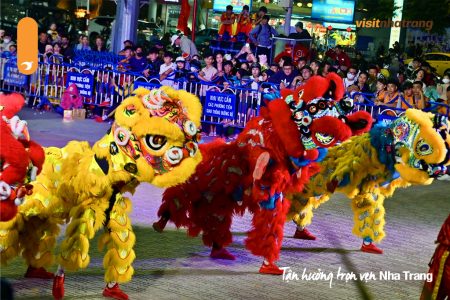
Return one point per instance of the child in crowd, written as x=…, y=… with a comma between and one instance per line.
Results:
x=380, y=91
x=391, y=95
x=181, y=73
x=419, y=99
x=208, y=72
x=166, y=71
x=407, y=99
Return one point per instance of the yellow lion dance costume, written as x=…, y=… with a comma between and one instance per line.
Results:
x=154, y=139
x=414, y=149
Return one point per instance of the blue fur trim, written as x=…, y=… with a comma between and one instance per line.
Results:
x=345, y=180
x=367, y=239
x=381, y=139
x=322, y=154
x=271, y=202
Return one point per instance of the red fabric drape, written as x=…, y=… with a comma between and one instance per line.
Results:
x=184, y=16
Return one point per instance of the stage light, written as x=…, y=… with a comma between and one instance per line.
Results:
x=309, y=4
x=299, y=4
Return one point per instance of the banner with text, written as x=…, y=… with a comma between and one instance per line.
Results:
x=84, y=83
x=220, y=105
x=12, y=76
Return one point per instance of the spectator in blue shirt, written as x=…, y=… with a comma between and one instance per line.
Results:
x=261, y=36
x=138, y=62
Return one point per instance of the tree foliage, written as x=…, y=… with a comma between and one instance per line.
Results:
x=376, y=9
x=437, y=11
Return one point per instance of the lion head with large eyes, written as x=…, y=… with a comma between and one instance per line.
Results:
x=155, y=136
x=421, y=142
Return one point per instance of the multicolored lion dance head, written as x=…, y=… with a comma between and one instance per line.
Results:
x=421, y=142
x=157, y=128
x=316, y=116
x=20, y=158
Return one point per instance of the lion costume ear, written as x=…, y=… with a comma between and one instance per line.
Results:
x=336, y=86
x=314, y=88
x=190, y=103
x=132, y=110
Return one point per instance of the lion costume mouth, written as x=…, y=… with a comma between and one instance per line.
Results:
x=324, y=138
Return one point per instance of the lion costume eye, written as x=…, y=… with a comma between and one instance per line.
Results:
x=155, y=142
x=190, y=128
x=422, y=148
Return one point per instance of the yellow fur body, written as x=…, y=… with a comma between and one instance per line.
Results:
x=82, y=187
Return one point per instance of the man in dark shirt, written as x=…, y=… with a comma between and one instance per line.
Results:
x=285, y=77
x=300, y=32
x=153, y=63
x=43, y=41
x=66, y=51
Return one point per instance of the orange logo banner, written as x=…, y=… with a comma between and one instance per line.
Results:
x=27, y=46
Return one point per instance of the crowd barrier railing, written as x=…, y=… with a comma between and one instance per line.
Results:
x=105, y=87
x=385, y=113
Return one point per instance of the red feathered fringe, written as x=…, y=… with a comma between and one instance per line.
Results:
x=286, y=129
x=12, y=152
x=35, y=152
x=266, y=237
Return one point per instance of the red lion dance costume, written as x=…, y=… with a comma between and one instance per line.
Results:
x=439, y=287
x=20, y=158
x=276, y=153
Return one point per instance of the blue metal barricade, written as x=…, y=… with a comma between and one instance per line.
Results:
x=231, y=102
x=225, y=101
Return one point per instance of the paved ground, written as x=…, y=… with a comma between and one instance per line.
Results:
x=173, y=266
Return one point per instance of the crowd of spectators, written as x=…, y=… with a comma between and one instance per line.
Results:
x=176, y=58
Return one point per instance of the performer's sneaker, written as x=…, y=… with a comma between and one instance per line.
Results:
x=221, y=253
x=160, y=225
x=371, y=248
x=261, y=165
x=58, y=287
x=38, y=273
x=115, y=292
x=271, y=269
x=304, y=235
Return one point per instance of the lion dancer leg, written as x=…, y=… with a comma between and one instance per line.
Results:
x=86, y=219
x=302, y=217
x=174, y=207
x=119, y=239
x=302, y=206
x=266, y=237
x=38, y=240
x=369, y=220
x=34, y=238
x=213, y=217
